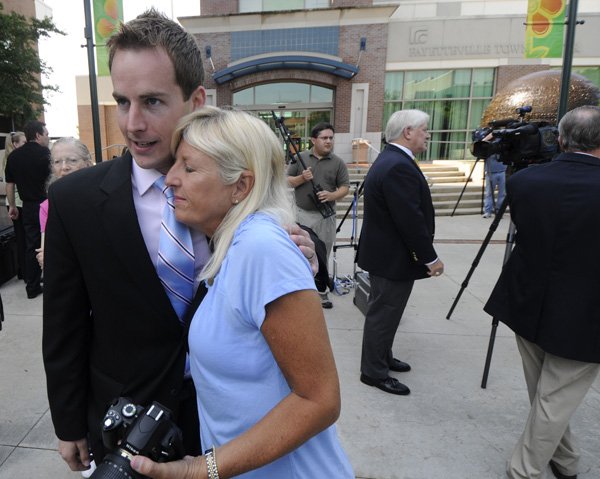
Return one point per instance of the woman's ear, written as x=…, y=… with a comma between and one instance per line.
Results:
x=243, y=186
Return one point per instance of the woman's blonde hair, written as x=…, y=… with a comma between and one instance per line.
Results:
x=238, y=142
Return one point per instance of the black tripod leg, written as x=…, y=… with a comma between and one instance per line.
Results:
x=356, y=196
x=464, y=187
x=488, y=358
x=487, y=239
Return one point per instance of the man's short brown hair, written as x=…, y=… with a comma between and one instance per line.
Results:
x=152, y=29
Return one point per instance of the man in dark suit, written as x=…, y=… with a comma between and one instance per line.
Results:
x=547, y=292
x=396, y=243
x=27, y=169
x=110, y=329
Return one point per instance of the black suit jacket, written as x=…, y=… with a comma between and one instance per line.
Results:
x=396, y=240
x=109, y=328
x=548, y=289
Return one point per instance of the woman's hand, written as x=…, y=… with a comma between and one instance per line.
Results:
x=187, y=468
x=302, y=239
x=40, y=257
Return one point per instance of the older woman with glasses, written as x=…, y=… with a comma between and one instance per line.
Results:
x=67, y=155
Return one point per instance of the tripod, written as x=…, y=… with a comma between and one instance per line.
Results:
x=465, y=187
x=509, y=245
x=353, y=244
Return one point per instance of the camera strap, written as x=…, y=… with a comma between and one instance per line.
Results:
x=189, y=314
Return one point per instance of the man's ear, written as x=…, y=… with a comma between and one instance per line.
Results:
x=198, y=98
x=244, y=185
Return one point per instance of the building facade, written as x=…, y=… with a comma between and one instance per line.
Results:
x=355, y=62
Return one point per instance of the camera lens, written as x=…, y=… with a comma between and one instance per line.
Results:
x=115, y=466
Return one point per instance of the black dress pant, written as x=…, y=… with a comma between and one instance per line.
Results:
x=387, y=300
x=31, y=225
x=20, y=240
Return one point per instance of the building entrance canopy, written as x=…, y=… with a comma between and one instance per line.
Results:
x=279, y=62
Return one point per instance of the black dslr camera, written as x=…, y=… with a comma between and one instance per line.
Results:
x=516, y=142
x=129, y=430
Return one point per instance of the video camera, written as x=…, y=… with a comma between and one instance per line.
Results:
x=129, y=430
x=515, y=141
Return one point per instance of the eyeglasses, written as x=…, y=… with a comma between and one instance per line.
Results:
x=325, y=138
x=67, y=161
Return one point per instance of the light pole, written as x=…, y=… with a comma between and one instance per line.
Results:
x=89, y=37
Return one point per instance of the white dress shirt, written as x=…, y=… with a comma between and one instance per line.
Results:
x=149, y=203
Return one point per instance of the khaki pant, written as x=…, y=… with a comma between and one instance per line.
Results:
x=323, y=227
x=556, y=388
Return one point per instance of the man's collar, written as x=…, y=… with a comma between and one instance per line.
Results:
x=404, y=149
x=325, y=157
x=142, y=178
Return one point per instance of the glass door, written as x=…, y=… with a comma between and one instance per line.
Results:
x=299, y=123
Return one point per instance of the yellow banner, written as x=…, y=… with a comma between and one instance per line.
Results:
x=545, y=28
x=107, y=16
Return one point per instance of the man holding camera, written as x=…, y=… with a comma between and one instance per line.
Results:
x=547, y=292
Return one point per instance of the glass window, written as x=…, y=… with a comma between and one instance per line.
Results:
x=477, y=109
x=393, y=86
x=483, y=82
x=454, y=99
x=244, y=97
x=283, y=93
x=317, y=4
x=591, y=73
x=277, y=5
x=274, y=5
x=319, y=94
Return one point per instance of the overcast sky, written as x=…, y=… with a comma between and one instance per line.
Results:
x=68, y=59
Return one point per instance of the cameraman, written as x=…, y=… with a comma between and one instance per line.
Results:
x=547, y=292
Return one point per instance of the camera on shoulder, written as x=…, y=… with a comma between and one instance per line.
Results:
x=129, y=430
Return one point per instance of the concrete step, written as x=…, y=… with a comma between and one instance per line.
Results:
x=464, y=203
x=438, y=168
x=447, y=182
x=446, y=179
x=454, y=187
x=445, y=174
x=458, y=212
x=437, y=197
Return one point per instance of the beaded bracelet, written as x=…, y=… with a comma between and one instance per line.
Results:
x=211, y=463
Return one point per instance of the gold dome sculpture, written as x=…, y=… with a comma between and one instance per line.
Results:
x=541, y=91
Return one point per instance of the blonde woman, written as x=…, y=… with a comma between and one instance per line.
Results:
x=266, y=382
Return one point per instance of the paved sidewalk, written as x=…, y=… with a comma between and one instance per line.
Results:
x=448, y=428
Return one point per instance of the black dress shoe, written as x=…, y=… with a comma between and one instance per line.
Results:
x=558, y=474
x=389, y=385
x=399, y=366
x=35, y=293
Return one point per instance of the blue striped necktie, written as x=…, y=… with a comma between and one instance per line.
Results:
x=175, y=265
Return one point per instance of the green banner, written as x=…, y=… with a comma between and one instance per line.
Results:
x=107, y=16
x=545, y=29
